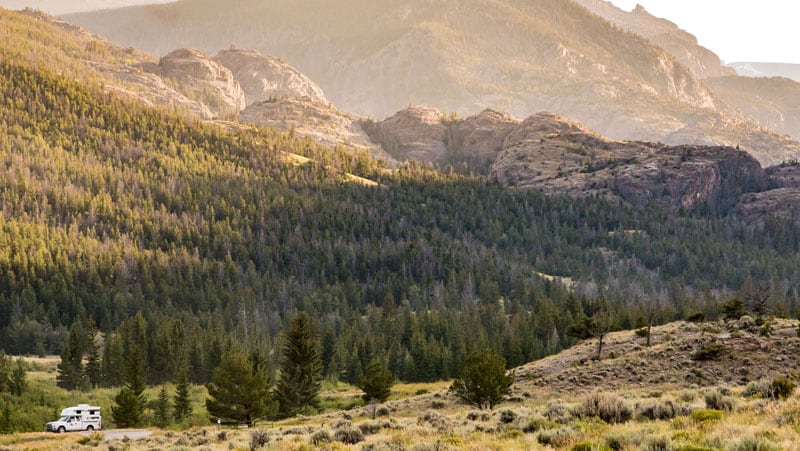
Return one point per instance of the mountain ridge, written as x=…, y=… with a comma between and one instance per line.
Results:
x=508, y=55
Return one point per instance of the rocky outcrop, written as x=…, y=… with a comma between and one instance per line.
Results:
x=478, y=139
x=149, y=89
x=201, y=78
x=264, y=77
x=416, y=133
x=322, y=123
x=781, y=203
x=558, y=156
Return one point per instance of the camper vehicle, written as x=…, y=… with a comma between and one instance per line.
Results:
x=82, y=417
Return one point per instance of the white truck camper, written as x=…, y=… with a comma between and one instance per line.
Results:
x=82, y=417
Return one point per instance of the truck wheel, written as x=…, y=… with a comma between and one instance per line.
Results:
x=90, y=428
x=61, y=429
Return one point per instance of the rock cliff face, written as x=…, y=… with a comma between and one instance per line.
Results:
x=150, y=89
x=320, y=122
x=416, y=133
x=264, y=77
x=559, y=156
x=478, y=139
x=201, y=78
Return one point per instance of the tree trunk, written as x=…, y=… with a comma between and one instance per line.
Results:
x=600, y=345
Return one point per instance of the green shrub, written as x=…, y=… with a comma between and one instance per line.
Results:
x=558, y=438
x=781, y=388
x=710, y=351
x=370, y=427
x=754, y=444
x=657, y=444
x=696, y=317
x=609, y=408
x=349, y=436
x=656, y=411
x=508, y=416
x=478, y=415
x=258, y=438
x=589, y=446
x=703, y=415
x=758, y=389
x=616, y=442
x=538, y=423
x=320, y=437
x=693, y=448
x=641, y=332
x=717, y=401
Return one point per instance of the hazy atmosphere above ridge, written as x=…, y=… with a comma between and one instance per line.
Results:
x=737, y=31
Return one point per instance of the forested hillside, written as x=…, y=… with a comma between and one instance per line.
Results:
x=110, y=208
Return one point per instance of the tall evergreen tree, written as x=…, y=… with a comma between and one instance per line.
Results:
x=300, y=369
x=5, y=372
x=19, y=382
x=130, y=400
x=6, y=426
x=376, y=382
x=238, y=391
x=93, y=369
x=182, y=401
x=163, y=417
x=483, y=381
x=113, y=362
x=70, y=370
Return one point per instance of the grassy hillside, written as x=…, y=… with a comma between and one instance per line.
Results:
x=729, y=410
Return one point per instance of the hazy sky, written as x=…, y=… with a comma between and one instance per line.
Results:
x=736, y=30
x=56, y=7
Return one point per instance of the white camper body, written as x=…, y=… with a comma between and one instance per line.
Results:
x=82, y=417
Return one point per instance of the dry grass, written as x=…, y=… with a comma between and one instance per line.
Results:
x=424, y=417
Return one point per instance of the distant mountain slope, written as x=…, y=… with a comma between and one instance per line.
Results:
x=773, y=102
x=768, y=70
x=681, y=44
x=518, y=56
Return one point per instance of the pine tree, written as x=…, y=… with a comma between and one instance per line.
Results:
x=130, y=400
x=237, y=392
x=93, y=364
x=376, y=382
x=300, y=369
x=6, y=426
x=19, y=383
x=129, y=409
x=483, y=380
x=163, y=417
x=182, y=401
x=5, y=372
x=112, y=364
x=70, y=370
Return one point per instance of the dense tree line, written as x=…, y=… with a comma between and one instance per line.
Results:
x=109, y=209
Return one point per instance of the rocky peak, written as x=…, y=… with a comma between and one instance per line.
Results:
x=415, y=133
x=264, y=77
x=559, y=156
x=201, y=78
x=478, y=139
